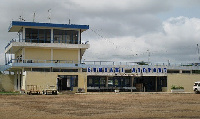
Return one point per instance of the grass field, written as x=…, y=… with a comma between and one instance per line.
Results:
x=96, y=106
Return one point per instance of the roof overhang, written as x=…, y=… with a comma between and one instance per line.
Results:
x=16, y=26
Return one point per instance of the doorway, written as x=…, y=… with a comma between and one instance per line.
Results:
x=67, y=82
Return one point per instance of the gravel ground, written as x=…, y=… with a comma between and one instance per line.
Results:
x=97, y=106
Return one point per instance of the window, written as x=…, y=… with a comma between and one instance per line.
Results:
x=127, y=82
x=102, y=81
x=84, y=70
x=41, y=69
x=90, y=81
x=65, y=36
x=64, y=70
x=37, y=35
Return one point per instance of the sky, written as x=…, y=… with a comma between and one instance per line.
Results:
x=157, y=31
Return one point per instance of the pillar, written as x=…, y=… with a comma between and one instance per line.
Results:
x=19, y=82
x=23, y=34
x=132, y=78
x=15, y=80
x=22, y=80
x=156, y=84
x=106, y=81
x=51, y=35
x=79, y=37
x=180, y=71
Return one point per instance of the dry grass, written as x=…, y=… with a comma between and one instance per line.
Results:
x=116, y=106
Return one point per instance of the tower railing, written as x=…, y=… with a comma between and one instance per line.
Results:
x=43, y=41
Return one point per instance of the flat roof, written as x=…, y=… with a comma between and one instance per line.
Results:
x=15, y=26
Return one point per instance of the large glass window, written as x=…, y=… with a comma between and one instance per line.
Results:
x=65, y=36
x=37, y=35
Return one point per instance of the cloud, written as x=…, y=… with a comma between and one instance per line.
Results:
x=121, y=30
x=176, y=42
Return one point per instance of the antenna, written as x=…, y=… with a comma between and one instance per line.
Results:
x=34, y=17
x=49, y=17
x=69, y=14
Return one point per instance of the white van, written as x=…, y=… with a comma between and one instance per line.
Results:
x=196, y=87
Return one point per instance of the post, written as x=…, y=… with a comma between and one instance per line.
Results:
x=132, y=83
x=156, y=84
x=106, y=81
x=18, y=77
x=51, y=35
x=5, y=59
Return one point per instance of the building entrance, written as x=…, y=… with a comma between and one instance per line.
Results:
x=67, y=82
x=150, y=83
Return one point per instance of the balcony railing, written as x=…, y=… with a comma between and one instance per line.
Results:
x=100, y=62
x=41, y=61
x=42, y=41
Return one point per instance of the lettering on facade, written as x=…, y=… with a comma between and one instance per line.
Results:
x=133, y=70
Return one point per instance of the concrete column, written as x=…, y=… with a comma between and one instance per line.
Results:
x=5, y=59
x=23, y=34
x=132, y=78
x=22, y=79
x=15, y=80
x=156, y=84
x=106, y=81
x=80, y=70
x=51, y=35
x=18, y=77
x=180, y=71
x=79, y=36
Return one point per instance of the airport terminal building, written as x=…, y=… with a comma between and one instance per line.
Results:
x=47, y=54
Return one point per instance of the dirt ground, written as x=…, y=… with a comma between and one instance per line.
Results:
x=96, y=106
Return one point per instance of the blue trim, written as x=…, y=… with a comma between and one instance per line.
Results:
x=72, y=26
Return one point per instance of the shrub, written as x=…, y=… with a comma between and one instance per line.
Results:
x=177, y=87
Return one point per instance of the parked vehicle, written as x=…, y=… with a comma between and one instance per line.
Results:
x=196, y=87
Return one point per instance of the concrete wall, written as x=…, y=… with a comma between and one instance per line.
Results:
x=6, y=82
x=61, y=54
x=46, y=54
x=44, y=79
x=37, y=54
x=185, y=80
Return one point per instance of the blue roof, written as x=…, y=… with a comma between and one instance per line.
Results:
x=16, y=25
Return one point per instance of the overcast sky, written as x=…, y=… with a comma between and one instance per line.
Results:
x=120, y=30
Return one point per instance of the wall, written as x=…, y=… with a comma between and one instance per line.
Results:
x=42, y=79
x=185, y=80
x=45, y=54
x=38, y=54
x=61, y=54
x=6, y=82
